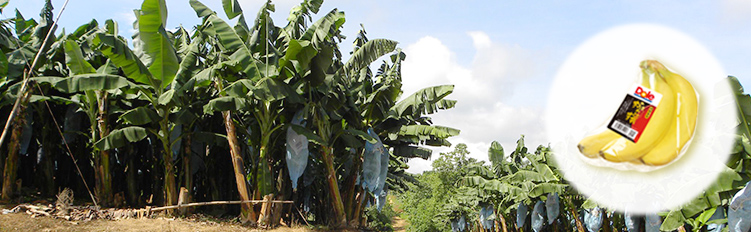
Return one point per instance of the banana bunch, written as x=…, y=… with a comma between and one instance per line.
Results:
x=671, y=127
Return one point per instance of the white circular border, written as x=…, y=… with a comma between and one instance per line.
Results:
x=589, y=87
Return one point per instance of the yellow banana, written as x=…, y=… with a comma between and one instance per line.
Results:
x=682, y=129
x=590, y=146
x=622, y=149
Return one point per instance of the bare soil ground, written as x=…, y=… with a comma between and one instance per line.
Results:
x=24, y=222
x=399, y=224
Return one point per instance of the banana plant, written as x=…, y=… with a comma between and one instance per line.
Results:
x=94, y=89
x=153, y=63
x=239, y=83
x=521, y=178
x=21, y=50
x=403, y=126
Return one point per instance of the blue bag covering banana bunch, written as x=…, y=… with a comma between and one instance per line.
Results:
x=633, y=222
x=652, y=223
x=383, y=174
x=593, y=219
x=553, y=207
x=371, y=165
x=521, y=215
x=297, y=150
x=381, y=199
x=458, y=225
x=486, y=217
x=739, y=211
x=538, y=216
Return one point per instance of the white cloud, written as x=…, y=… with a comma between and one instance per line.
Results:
x=125, y=21
x=481, y=89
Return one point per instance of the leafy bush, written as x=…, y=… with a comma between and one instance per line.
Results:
x=380, y=221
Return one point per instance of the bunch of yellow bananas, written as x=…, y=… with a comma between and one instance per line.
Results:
x=668, y=131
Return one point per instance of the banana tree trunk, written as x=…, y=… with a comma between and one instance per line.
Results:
x=170, y=186
x=571, y=207
x=276, y=210
x=11, y=161
x=503, y=220
x=47, y=165
x=264, y=186
x=350, y=191
x=132, y=182
x=103, y=165
x=188, y=175
x=336, y=198
x=237, y=163
x=359, y=204
x=606, y=222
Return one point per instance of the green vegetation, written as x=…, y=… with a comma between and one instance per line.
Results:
x=206, y=110
x=524, y=188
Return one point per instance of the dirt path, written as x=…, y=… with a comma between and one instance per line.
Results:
x=24, y=222
x=399, y=224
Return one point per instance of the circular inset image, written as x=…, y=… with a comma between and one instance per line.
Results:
x=589, y=89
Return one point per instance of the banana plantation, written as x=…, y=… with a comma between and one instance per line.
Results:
x=225, y=112
x=275, y=116
x=523, y=190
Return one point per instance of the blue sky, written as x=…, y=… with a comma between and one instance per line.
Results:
x=501, y=55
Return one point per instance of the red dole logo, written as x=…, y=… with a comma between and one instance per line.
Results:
x=644, y=94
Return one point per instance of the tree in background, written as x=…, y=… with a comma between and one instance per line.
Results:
x=427, y=199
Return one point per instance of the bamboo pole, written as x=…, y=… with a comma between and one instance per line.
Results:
x=215, y=203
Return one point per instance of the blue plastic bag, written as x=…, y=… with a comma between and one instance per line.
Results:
x=538, y=216
x=633, y=222
x=455, y=225
x=381, y=199
x=652, y=223
x=372, y=164
x=383, y=174
x=486, y=213
x=739, y=211
x=593, y=219
x=521, y=215
x=297, y=150
x=553, y=207
x=462, y=223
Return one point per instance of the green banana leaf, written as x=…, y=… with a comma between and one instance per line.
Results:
x=140, y=115
x=268, y=90
x=299, y=14
x=424, y=132
x=496, y=155
x=297, y=57
x=425, y=101
x=545, y=188
x=231, y=8
x=120, y=54
x=121, y=137
x=369, y=53
x=320, y=31
x=92, y=81
x=157, y=44
x=225, y=103
x=412, y=152
x=75, y=60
